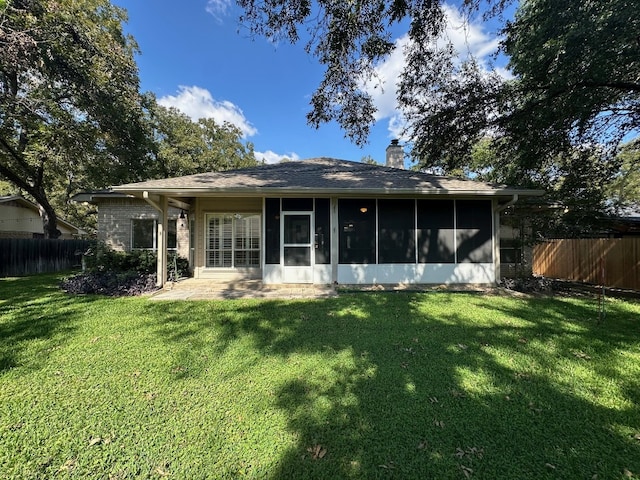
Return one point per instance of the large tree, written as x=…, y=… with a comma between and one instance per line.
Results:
x=624, y=190
x=182, y=146
x=69, y=97
x=575, y=64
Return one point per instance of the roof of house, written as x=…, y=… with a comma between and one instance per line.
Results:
x=320, y=176
x=19, y=200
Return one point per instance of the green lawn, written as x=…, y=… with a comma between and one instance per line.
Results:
x=366, y=385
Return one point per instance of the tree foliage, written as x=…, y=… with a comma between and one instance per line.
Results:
x=349, y=38
x=575, y=65
x=69, y=97
x=624, y=190
x=577, y=72
x=182, y=146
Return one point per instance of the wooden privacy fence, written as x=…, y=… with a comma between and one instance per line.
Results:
x=20, y=256
x=613, y=262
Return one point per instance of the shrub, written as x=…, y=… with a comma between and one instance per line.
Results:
x=112, y=273
x=102, y=258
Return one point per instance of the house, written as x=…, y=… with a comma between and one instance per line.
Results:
x=20, y=218
x=319, y=220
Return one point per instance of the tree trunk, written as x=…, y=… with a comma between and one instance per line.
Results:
x=49, y=217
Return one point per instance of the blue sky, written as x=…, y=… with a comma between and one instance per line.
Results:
x=196, y=57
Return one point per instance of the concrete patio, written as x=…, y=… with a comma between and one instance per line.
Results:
x=197, y=289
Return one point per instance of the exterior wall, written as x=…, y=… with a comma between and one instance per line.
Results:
x=114, y=222
x=17, y=221
x=221, y=205
x=114, y=226
x=421, y=273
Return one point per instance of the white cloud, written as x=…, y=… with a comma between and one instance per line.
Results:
x=218, y=8
x=467, y=38
x=198, y=103
x=272, y=157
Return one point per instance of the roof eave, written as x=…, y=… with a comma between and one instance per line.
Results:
x=262, y=191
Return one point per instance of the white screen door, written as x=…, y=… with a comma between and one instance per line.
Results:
x=297, y=251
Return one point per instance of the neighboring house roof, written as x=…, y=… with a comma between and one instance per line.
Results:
x=626, y=222
x=320, y=176
x=19, y=200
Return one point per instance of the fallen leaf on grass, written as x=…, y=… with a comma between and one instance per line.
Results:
x=581, y=354
x=388, y=466
x=99, y=440
x=462, y=346
x=438, y=423
x=433, y=399
x=95, y=441
x=67, y=466
x=470, y=452
x=522, y=340
x=628, y=473
x=422, y=445
x=162, y=471
x=550, y=466
x=150, y=395
x=637, y=436
x=317, y=452
x=467, y=471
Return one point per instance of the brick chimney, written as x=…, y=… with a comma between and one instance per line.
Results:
x=395, y=155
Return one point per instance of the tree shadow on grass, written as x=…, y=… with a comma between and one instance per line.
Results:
x=33, y=308
x=413, y=386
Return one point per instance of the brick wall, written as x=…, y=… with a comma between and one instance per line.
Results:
x=114, y=220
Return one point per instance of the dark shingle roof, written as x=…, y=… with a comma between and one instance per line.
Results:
x=318, y=176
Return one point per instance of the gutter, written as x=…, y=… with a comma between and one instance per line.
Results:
x=262, y=191
x=504, y=206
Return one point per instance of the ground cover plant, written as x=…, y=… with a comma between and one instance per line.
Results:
x=367, y=385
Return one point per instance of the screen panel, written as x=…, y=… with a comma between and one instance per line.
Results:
x=436, y=234
x=396, y=231
x=323, y=232
x=272, y=231
x=473, y=234
x=357, y=235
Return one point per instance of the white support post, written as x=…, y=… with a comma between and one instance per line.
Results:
x=163, y=222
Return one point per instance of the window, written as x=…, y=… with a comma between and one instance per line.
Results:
x=232, y=240
x=396, y=231
x=357, y=236
x=436, y=239
x=144, y=234
x=510, y=251
x=247, y=241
